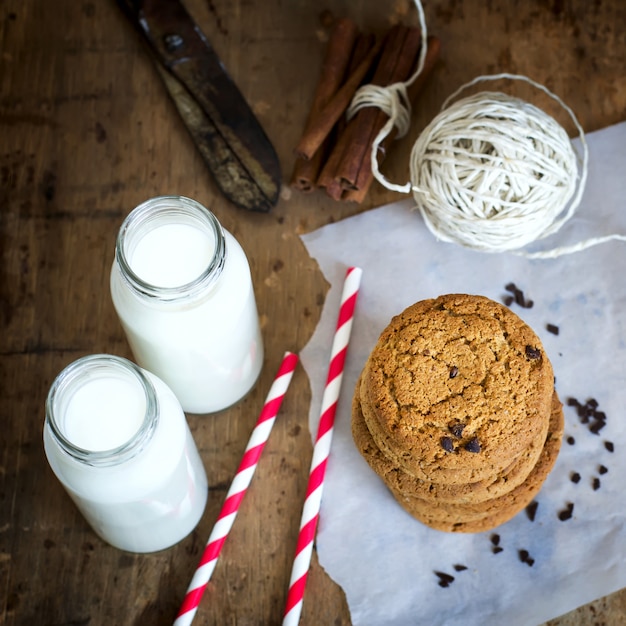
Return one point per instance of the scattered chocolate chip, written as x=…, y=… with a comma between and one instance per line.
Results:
x=531, y=510
x=575, y=477
x=497, y=549
x=444, y=579
x=567, y=512
x=460, y=568
x=454, y=370
x=602, y=469
x=609, y=446
x=456, y=428
x=588, y=414
x=508, y=300
x=495, y=539
x=595, y=483
x=551, y=328
x=596, y=427
x=524, y=557
x=447, y=444
x=518, y=296
x=473, y=445
x=571, y=440
x=533, y=353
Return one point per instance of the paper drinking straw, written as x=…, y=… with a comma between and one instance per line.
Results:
x=321, y=449
x=237, y=490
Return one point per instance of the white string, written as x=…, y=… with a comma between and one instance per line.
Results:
x=490, y=172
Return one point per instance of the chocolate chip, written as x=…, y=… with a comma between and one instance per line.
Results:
x=551, y=328
x=444, y=579
x=595, y=483
x=596, y=427
x=518, y=296
x=602, y=469
x=454, y=370
x=447, y=444
x=609, y=446
x=567, y=512
x=508, y=300
x=524, y=557
x=531, y=510
x=495, y=539
x=571, y=440
x=456, y=428
x=575, y=477
x=497, y=549
x=473, y=445
x=533, y=353
x=460, y=568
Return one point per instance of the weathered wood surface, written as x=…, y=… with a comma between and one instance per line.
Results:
x=87, y=133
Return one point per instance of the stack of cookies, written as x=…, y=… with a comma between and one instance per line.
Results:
x=456, y=411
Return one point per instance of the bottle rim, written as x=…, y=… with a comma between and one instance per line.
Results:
x=162, y=210
x=71, y=378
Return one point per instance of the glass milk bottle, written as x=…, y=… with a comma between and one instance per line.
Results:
x=117, y=439
x=182, y=289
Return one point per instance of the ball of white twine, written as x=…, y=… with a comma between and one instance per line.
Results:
x=490, y=172
x=493, y=173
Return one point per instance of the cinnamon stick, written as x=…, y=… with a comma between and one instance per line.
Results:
x=399, y=64
x=323, y=122
x=326, y=176
x=366, y=176
x=338, y=52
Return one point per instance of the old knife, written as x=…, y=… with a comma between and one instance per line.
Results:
x=225, y=130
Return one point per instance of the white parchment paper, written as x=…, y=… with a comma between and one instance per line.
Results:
x=384, y=559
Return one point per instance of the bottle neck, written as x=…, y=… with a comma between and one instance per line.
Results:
x=151, y=222
x=102, y=410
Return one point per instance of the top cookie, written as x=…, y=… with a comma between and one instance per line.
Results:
x=456, y=386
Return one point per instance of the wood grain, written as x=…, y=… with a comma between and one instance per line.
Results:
x=87, y=133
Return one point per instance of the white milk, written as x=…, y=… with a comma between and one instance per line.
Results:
x=182, y=289
x=123, y=451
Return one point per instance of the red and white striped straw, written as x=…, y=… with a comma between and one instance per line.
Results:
x=237, y=490
x=321, y=449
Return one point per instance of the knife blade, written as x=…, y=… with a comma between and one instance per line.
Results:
x=226, y=132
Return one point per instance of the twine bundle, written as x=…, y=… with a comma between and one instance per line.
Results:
x=491, y=172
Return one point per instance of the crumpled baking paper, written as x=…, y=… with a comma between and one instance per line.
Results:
x=386, y=561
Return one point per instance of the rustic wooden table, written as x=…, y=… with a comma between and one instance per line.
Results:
x=86, y=133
